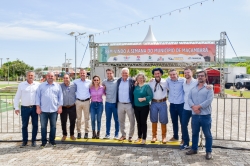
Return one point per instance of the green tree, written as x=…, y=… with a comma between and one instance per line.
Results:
x=15, y=68
x=133, y=72
x=37, y=70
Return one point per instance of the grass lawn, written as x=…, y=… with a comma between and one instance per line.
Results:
x=246, y=94
x=4, y=85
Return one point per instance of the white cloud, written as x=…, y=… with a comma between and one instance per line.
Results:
x=32, y=29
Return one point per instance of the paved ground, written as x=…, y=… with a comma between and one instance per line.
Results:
x=11, y=154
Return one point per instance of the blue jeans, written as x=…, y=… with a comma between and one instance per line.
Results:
x=52, y=117
x=26, y=112
x=111, y=108
x=175, y=112
x=186, y=115
x=203, y=121
x=96, y=109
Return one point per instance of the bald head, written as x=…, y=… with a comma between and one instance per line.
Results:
x=50, y=77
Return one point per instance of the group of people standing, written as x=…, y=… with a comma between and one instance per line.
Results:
x=125, y=97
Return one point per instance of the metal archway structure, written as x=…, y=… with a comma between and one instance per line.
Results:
x=219, y=57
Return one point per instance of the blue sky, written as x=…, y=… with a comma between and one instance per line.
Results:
x=35, y=31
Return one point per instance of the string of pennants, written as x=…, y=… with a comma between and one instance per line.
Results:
x=145, y=20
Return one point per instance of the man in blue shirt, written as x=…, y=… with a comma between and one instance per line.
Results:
x=176, y=99
x=200, y=99
x=49, y=101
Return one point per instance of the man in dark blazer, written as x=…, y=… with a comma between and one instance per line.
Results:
x=125, y=99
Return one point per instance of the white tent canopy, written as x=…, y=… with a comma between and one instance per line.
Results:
x=150, y=36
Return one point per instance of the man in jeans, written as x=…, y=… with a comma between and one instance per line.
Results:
x=69, y=107
x=176, y=99
x=200, y=100
x=111, y=105
x=27, y=93
x=49, y=101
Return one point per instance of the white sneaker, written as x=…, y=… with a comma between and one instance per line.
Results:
x=106, y=137
x=116, y=137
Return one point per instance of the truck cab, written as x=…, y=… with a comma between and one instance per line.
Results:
x=242, y=81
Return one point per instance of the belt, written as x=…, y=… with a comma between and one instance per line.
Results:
x=68, y=106
x=29, y=106
x=124, y=103
x=161, y=100
x=83, y=100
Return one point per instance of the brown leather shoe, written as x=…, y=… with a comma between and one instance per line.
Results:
x=72, y=137
x=130, y=139
x=64, y=138
x=122, y=138
x=182, y=142
x=173, y=140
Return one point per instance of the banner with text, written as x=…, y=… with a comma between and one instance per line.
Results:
x=158, y=53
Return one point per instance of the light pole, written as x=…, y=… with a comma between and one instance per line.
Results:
x=8, y=70
x=73, y=34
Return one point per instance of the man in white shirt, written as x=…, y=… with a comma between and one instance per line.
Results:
x=158, y=108
x=27, y=93
x=82, y=102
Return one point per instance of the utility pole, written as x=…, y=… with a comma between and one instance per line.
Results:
x=1, y=62
x=8, y=70
x=65, y=63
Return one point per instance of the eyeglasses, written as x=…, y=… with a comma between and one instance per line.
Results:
x=96, y=80
x=200, y=75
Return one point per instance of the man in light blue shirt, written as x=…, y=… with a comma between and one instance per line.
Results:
x=176, y=99
x=49, y=101
x=200, y=100
x=82, y=103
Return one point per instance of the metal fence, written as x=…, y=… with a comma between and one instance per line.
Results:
x=231, y=118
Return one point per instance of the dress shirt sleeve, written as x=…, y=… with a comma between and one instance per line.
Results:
x=167, y=83
x=38, y=95
x=60, y=96
x=149, y=96
x=17, y=97
x=190, y=99
x=210, y=96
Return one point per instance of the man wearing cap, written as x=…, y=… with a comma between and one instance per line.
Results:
x=158, y=106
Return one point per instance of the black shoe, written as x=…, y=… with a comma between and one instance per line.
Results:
x=42, y=146
x=79, y=136
x=33, y=144
x=93, y=135
x=191, y=152
x=86, y=136
x=209, y=156
x=98, y=135
x=23, y=145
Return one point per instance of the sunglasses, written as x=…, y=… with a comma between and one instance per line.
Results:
x=200, y=75
x=96, y=80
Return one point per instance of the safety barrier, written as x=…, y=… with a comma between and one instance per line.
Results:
x=231, y=118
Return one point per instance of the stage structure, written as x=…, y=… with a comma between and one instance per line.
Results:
x=155, y=53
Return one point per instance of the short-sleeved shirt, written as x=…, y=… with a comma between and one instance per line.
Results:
x=111, y=90
x=96, y=94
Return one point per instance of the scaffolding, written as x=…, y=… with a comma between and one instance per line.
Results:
x=219, y=57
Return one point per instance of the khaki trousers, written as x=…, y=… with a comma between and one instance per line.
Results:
x=124, y=109
x=82, y=107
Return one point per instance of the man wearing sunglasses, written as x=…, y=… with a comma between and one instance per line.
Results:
x=200, y=99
